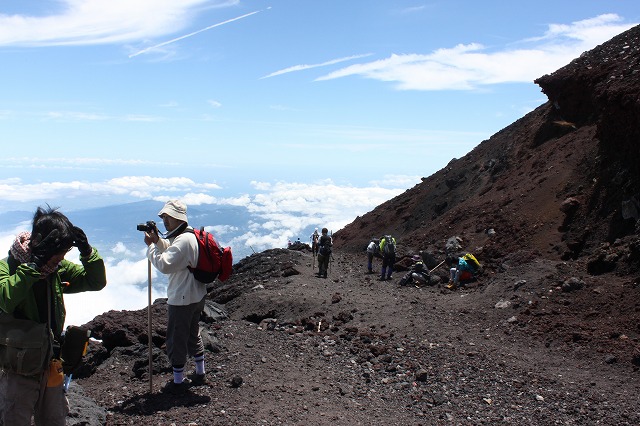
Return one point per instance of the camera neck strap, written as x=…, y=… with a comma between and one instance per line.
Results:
x=179, y=230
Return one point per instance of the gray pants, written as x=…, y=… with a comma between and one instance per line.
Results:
x=323, y=264
x=22, y=397
x=183, y=332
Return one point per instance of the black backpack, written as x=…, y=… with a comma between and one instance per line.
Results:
x=325, y=246
x=389, y=246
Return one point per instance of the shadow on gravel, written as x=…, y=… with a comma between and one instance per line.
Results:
x=150, y=403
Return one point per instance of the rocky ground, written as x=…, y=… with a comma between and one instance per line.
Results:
x=548, y=334
x=350, y=349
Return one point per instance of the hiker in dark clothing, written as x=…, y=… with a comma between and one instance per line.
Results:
x=324, y=253
x=418, y=273
x=388, y=250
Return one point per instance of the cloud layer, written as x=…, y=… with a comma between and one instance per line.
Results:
x=279, y=211
x=470, y=66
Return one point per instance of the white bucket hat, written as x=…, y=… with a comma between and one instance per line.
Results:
x=176, y=209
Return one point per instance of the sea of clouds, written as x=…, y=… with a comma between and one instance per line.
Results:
x=275, y=214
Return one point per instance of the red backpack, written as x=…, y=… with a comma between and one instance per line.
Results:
x=213, y=261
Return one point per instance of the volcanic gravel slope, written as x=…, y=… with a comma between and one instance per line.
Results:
x=548, y=334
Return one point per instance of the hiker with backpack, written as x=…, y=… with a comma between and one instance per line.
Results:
x=418, y=273
x=462, y=269
x=388, y=250
x=373, y=250
x=324, y=253
x=315, y=237
x=33, y=279
x=173, y=255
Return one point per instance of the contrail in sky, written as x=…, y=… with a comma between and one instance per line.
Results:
x=194, y=33
x=306, y=67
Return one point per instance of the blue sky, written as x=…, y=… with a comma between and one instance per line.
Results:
x=109, y=101
x=295, y=109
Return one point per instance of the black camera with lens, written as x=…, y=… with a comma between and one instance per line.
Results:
x=147, y=227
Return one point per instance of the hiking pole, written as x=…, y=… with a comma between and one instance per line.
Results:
x=437, y=266
x=149, y=331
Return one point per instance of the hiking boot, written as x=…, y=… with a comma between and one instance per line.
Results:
x=198, y=379
x=176, y=388
x=451, y=285
x=382, y=279
x=324, y=276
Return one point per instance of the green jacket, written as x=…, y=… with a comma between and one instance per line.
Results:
x=384, y=242
x=23, y=292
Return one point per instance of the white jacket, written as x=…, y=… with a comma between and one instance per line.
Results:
x=172, y=257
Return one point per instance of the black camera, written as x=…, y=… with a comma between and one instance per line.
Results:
x=147, y=227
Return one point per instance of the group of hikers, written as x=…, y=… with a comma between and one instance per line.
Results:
x=462, y=269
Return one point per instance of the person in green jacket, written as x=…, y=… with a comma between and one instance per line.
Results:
x=33, y=279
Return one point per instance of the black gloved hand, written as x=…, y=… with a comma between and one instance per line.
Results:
x=80, y=241
x=43, y=249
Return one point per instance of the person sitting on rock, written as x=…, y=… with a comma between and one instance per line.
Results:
x=462, y=270
x=418, y=273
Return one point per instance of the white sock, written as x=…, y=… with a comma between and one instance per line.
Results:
x=199, y=364
x=178, y=374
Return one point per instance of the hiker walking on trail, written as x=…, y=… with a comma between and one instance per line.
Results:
x=465, y=268
x=373, y=250
x=172, y=255
x=388, y=250
x=324, y=253
x=315, y=237
x=418, y=273
x=33, y=279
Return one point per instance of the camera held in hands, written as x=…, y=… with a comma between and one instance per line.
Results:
x=147, y=227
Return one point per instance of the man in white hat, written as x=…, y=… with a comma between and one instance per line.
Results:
x=172, y=255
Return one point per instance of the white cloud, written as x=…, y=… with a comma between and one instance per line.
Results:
x=76, y=116
x=285, y=209
x=143, y=118
x=127, y=289
x=470, y=66
x=138, y=187
x=195, y=199
x=86, y=22
x=221, y=229
x=7, y=237
x=122, y=250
